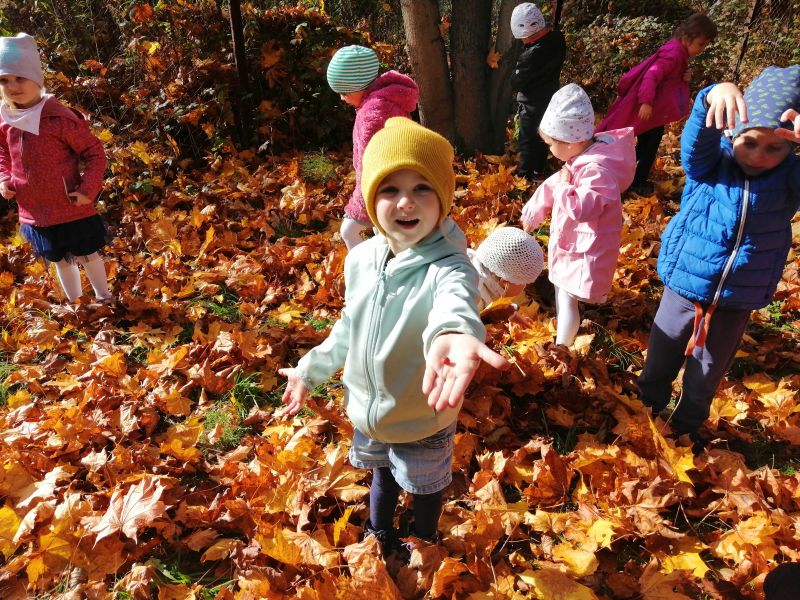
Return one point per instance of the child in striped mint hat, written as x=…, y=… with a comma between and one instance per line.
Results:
x=353, y=73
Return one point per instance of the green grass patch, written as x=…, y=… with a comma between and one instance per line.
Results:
x=317, y=167
x=319, y=324
x=619, y=356
x=6, y=369
x=224, y=305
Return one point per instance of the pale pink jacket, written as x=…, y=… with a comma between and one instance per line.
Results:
x=392, y=94
x=657, y=81
x=586, y=224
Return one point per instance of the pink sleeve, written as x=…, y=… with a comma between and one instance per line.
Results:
x=369, y=120
x=666, y=61
x=586, y=200
x=542, y=201
x=90, y=149
x=5, y=159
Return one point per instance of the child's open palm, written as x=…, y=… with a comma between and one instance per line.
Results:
x=452, y=361
x=296, y=392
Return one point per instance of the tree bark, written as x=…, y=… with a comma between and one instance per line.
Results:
x=470, y=36
x=501, y=99
x=428, y=57
x=242, y=112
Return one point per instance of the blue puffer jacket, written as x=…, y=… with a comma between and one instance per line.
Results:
x=728, y=244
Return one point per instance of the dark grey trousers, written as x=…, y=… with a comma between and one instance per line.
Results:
x=703, y=370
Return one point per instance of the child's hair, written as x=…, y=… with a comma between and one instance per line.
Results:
x=696, y=25
x=511, y=254
x=569, y=117
x=773, y=91
x=352, y=69
x=404, y=144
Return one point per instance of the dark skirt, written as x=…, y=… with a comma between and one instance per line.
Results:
x=68, y=240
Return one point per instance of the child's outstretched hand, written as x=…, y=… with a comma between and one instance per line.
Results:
x=645, y=112
x=724, y=101
x=296, y=392
x=452, y=360
x=6, y=191
x=528, y=216
x=793, y=135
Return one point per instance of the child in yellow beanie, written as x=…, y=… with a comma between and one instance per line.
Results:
x=409, y=329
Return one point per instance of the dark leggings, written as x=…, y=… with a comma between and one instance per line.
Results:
x=647, y=144
x=383, y=496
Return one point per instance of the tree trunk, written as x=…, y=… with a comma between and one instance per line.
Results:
x=470, y=35
x=501, y=99
x=428, y=57
x=241, y=109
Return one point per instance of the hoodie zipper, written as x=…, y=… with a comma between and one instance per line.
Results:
x=739, y=235
x=374, y=321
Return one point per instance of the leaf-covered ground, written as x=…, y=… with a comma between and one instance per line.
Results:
x=141, y=457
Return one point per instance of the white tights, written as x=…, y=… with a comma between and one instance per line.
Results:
x=568, y=316
x=70, y=277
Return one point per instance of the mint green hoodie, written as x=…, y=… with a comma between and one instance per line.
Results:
x=394, y=308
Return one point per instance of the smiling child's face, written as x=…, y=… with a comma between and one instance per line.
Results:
x=407, y=209
x=759, y=150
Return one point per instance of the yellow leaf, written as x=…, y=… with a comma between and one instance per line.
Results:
x=208, y=240
x=549, y=584
x=602, y=532
x=35, y=569
x=579, y=562
x=9, y=523
x=19, y=398
x=105, y=136
x=139, y=150
x=681, y=460
x=338, y=527
x=684, y=561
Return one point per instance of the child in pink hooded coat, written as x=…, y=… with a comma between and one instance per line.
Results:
x=585, y=199
x=353, y=74
x=656, y=92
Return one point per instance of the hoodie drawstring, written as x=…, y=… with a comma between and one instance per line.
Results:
x=699, y=334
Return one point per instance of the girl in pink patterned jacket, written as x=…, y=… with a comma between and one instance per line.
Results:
x=656, y=92
x=585, y=199
x=353, y=74
x=53, y=166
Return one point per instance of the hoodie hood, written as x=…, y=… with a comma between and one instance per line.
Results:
x=393, y=87
x=615, y=151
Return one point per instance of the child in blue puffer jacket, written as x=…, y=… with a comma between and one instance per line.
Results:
x=723, y=254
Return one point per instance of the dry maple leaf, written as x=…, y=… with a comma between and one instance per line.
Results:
x=128, y=513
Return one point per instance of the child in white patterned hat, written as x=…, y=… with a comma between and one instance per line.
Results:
x=506, y=261
x=353, y=73
x=585, y=200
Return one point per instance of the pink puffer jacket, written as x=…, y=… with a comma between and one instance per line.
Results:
x=392, y=94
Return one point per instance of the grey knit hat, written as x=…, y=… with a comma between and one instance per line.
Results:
x=511, y=254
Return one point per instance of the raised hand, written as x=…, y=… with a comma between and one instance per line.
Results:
x=725, y=101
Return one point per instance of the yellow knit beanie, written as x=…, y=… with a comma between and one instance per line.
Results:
x=404, y=144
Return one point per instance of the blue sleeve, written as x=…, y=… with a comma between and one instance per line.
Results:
x=701, y=146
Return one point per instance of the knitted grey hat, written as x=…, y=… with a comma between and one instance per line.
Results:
x=511, y=254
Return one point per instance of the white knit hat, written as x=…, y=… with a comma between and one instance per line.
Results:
x=511, y=254
x=19, y=56
x=526, y=20
x=569, y=116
